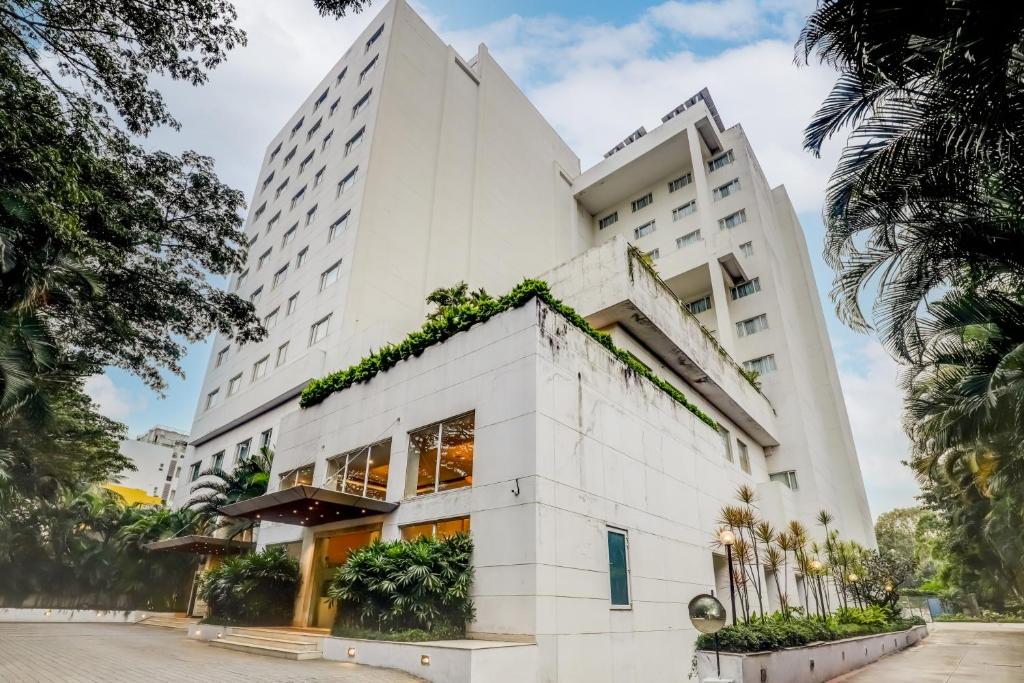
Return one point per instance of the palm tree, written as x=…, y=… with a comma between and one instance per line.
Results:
x=447, y=298
x=217, y=488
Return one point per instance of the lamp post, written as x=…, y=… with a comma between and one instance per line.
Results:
x=708, y=616
x=728, y=538
x=856, y=594
x=816, y=568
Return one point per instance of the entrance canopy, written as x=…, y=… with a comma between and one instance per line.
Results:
x=307, y=506
x=202, y=545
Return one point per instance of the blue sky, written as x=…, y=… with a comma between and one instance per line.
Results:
x=597, y=71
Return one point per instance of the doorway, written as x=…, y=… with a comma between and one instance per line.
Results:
x=330, y=553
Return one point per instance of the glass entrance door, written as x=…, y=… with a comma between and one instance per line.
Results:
x=330, y=553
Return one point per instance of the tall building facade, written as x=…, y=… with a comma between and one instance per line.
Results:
x=157, y=455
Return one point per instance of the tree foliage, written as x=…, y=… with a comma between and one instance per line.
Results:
x=256, y=589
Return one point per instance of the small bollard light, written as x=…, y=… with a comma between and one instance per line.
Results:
x=351, y=652
x=425, y=660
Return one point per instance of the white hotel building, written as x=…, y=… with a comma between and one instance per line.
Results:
x=409, y=168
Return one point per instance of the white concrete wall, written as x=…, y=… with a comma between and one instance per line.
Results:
x=76, y=616
x=151, y=462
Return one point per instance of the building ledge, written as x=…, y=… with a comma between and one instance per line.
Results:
x=307, y=506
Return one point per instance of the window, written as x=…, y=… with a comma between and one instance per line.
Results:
x=334, y=107
x=355, y=141
x=720, y=161
x=361, y=104
x=746, y=288
x=307, y=161
x=264, y=257
x=212, y=398
x=282, y=355
x=298, y=196
x=347, y=182
x=618, y=567
x=362, y=472
x=341, y=76
x=266, y=183
x=318, y=330
x=374, y=37
x=752, y=325
x=222, y=356
x=439, y=529
x=733, y=219
x=368, y=68
x=700, y=305
x=311, y=214
x=338, y=227
x=726, y=442
x=330, y=276
x=300, y=476
x=259, y=368
x=289, y=236
x=241, y=279
x=270, y=319
x=646, y=200
x=254, y=298
x=744, y=456
x=217, y=462
x=326, y=141
x=747, y=248
x=277, y=150
x=684, y=210
x=319, y=177
x=653, y=254
x=314, y=128
x=293, y=302
x=300, y=258
x=281, y=188
x=252, y=240
x=234, y=384
x=193, y=471
x=297, y=127
x=320, y=100
x=265, y=438
x=788, y=478
x=645, y=229
x=723, y=191
x=273, y=221
x=441, y=456
x=688, y=239
x=290, y=156
x=680, y=182
x=610, y=219
x=259, y=212
x=762, y=365
x=242, y=450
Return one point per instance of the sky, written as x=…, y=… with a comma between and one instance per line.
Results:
x=597, y=71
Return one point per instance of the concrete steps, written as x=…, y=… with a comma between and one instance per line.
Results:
x=271, y=643
x=180, y=623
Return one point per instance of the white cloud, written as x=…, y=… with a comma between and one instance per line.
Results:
x=723, y=19
x=113, y=401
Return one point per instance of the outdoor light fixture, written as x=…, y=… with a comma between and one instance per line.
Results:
x=351, y=652
x=727, y=538
x=853, y=577
x=888, y=588
x=425, y=660
x=816, y=565
x=707, y=615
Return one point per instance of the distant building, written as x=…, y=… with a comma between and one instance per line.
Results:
x=157, y=456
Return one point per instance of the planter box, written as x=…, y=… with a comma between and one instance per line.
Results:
x=809, y=664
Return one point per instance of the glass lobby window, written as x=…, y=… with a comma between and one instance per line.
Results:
x=439, y=529
x=298, y=477
x=362, y=472
x=618, y=567
x=441, y=456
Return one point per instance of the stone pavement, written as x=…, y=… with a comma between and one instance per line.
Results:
x=104, y=653
x=953, y=653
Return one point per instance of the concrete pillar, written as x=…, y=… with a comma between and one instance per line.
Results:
x=720, y=303
x=303, y=600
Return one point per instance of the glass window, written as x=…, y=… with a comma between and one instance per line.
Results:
x=746, y=288
x=265, y=438
x=280, y=276
x=259, y=368
x=354, y=141
x=441, y=456
x=726, y=442
x=723, y=191
x=297, y=126
x=788, y=478
x=610, y=219
x=300, y=476
x=241, y=280
x=314, y=128
x=618, y=567
x=281, y=188
x=234, y=384
x=439, y=529
x=273, y=221
x=732, y=220
x=300, y=258
x=680, y=182
x=270, y=319
x=311, y=214
x=362, y=472
x=334, y=107
x=277, y=150
x=218, y=461
x=212, y=398
x=222, y=356
x=373, y=39
x=646, y=200
x=193, y=471
x=341, y=76
x=337, y=227
x=744, y=456
x=361, y=104
x=752, y=325
x=259, y=211
x=293, y=301
x=688, y=239
x=320, y=100
x=700, y=305
x=684, y=210
x=298, y=197
x=368, y=68
x=326, y=141
x=347, y=182
x=291, y=155
x=307, y=161
x=242, y=450
x=254, y=298
x=720, y=161
x=319, y=177
x=264, y=257
x=653, y=254
x=269, y=179
x=330, y=276
x=645, y=229
x=287, y=238
x=747, y=248
x=319, y=330
x=762, y=365
x=282, y=355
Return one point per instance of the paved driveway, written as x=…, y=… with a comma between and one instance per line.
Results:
x=953, y=653
x=99, y=653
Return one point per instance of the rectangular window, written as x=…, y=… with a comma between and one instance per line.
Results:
x=746, y=288
x=234, y=384
x=300, y=258
x=330, y=276
x=362, y=472
x=700, y=305
x=241, y=280
x=281, y=188
x=726, y=442
x=319, y=177
x=788, y=478
x=326, y=141
x=222, y=356
x=311, y=214
x=265, y=438
x=270, y=319
x=723, y=191
x=646, y=200
x=747, y=248
x=610, y=219
x=688, y=239
x=259, y=212
x=338, y=227
x=259, y=368
x=334, y=107
x=264, y=257
x=354, y=141
x=252, y=240
x=273, y=221
x=744, y=456
x=254, y=298
x=320, y=100
x=193, y=471
x=242, y=450
x=752, y=325
x=645, y=229
x=732, y=220
x=439, y=529
x=341, y=76
x=653, y=254
x=298, y=196
x=373, y=39
x=618, y=567
x=368, y=68
x=290, y=156
x=441, y=456
x=313, y=129
x=277, y=150
x=287, y=238
x=318, y=330
x=280, y=276
x=347, y=182
x=212, y=398
x=300, y=476
x=361, y=104
x=293, y=302
x=217, y=462
x=720, y=161
x=282, y=355
x=684, y=210
x=297, y=127
x=266, y=183
x=307, y=161
x=680, y=182
x=762, y=365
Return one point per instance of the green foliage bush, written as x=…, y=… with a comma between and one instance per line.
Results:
x=257, y=589
x=393, y=588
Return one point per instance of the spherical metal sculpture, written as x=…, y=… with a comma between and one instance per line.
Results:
x=707, y=613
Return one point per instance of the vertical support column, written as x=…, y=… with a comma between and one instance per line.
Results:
x=720, y=301
x=304, y=598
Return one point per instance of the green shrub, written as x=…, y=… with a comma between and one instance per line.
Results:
x=257, y=589
x=776, y=632
x=412, y=635
x=399, y=586
x=872, y=616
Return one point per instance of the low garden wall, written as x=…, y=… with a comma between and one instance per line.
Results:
x=76, y=616
x=809, y=664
